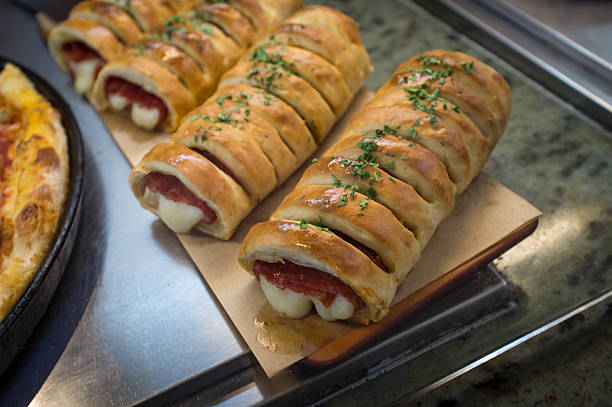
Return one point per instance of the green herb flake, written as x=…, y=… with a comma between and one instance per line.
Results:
x=364, y=203
x=314, y=160
x=469, y=68
x=336, y=181
x=303, y=224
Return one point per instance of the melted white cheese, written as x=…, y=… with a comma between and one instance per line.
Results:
x=287, y=302
x=178, y=216
x=341, y=308
x=84, y=74
x=297, y=305
x=117, y=102
x=145, y=118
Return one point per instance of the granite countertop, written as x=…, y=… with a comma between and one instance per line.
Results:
x=559, y=160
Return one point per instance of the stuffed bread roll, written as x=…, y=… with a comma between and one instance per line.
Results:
x=353, y=285
x=200, y=84
x=82, y=47
x=188, y=192
x=247, y=145
x=285, y=120
x=331, y=37
x=292, y=89
x=267, y=116
x=192, y=51
x=111, y=16
x=462, y=82
x=229, y=19
x=153, y=95
x=150, y=15
x=402, y=160
x=340, y=25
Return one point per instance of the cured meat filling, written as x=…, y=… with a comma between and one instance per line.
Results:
x=77, y=51
x=83, y=63
x=173, y=189
x=372, y=255
x=217, y=163
x=136, y=95
x=307, y=281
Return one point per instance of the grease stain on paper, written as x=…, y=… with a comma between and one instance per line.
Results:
x=281, y=334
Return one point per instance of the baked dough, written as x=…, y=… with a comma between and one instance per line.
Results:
x=379, y=193
x=99, y=43
x=218, y=190
x=152, y=78
x=109, y=15
x=33, y=182
x=201, y=85
x=268, y=115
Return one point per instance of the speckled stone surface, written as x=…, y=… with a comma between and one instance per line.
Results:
x=554, y=157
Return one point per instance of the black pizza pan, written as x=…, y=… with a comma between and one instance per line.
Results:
x=18, y=325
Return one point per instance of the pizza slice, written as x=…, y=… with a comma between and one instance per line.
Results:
x=33, y=182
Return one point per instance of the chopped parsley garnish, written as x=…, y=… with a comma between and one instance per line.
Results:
x=469, y=68
x=303, y=224
x=364, y=203
x=336, y=181
x=342, y=201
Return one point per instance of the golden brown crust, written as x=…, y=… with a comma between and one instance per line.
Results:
x=214, y=51
x=226, y=112
x=409, y=162
x=220, y=192
x=365, y=220
x=180, y=64
x=340, y=25
x=153, y=78
x=320, y=74
x=399, y=150
x=406, y=204
x=239, y=152
x=469, y=91
x=233, y=23
x=289, y=125
x=33, y=186
x=275, y=241
x=442, y=140
x=111, y=16
x=94, y=35
x=321, y=42
x=264, y=13
x=144, y=13
x=292, y=89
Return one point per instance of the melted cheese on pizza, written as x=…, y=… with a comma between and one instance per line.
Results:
x=33, y=183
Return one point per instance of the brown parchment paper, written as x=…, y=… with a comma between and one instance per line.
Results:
x=484, y=214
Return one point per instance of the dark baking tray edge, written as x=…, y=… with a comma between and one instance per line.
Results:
x=18, y=325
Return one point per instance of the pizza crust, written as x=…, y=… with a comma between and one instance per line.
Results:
x=34, y=185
